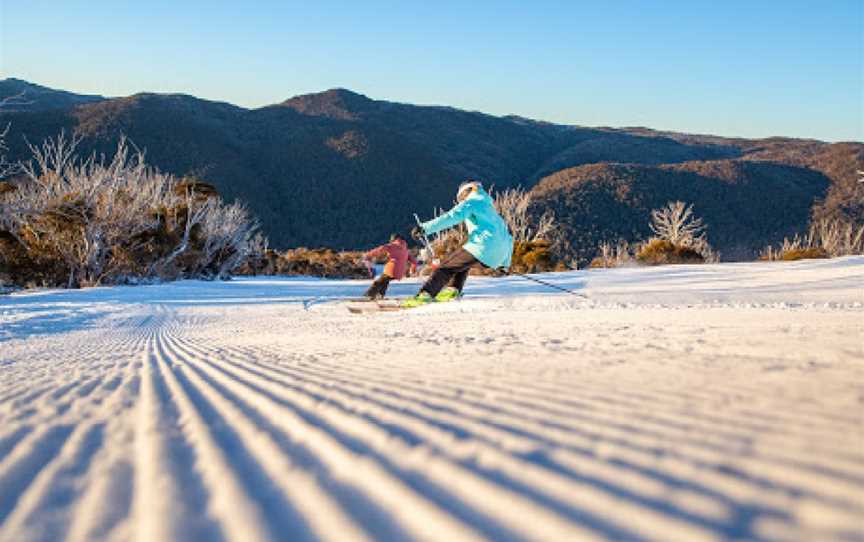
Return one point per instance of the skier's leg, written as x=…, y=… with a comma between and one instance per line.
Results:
x=439, y=278
x=378, y=287
x=456, y=263
x=385, y=282
x=459, y=279
x=372, y=291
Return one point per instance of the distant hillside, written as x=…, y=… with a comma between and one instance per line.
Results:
x=744, y=204
x=840, y=162
x=33, y=97
x=340, y=169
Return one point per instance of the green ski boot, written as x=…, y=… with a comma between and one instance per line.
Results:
x=448, y=294
x=418, y=300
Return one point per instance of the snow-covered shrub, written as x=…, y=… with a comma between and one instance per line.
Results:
x=314, y=262
x=679, y=237
x=536, y=238
x=321, y=262
x=608, y=255
x=514, y=206
x=825, y=239
x=449, y=240
x=662, y=252
x=838, y=237
x=7, y=168
x=535, y=257
x=82, y=222
x=262, y=262
x=676, y=223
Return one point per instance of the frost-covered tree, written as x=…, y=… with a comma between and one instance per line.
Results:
x=7, y=168
x=514, y=206
x=826, y=238
x=94, y=221
x=676, y=223
x=679, y=237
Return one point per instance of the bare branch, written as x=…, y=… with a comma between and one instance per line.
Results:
x=115, y=218
x=514, y=206
x=675, y=223
x=7, y=168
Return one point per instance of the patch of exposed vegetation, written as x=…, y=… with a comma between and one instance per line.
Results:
x=78, y=222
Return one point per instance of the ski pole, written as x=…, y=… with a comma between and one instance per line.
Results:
x=426, y=241
x=425, y=238
x=549, y=284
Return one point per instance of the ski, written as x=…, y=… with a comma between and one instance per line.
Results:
x=374, y=305
x=308, y=303
x=388, y=305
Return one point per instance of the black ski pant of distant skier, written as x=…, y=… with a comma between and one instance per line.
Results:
x=379, y=287
x=453, y=271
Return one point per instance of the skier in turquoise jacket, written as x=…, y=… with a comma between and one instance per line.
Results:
x=489, y=243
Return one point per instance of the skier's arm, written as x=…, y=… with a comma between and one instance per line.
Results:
x=449, y=219
x=375, y=252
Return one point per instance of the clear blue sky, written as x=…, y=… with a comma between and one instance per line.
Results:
x=749, y=68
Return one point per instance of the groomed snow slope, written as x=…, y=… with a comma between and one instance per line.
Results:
x=681, y=403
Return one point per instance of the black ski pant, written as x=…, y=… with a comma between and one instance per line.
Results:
x=453, y=271
x=379, y=287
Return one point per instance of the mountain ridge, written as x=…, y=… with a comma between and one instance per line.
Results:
x=365, y=166
x=12, y=86
x=35, y=97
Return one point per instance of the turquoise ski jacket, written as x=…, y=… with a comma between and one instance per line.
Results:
x=488, y=238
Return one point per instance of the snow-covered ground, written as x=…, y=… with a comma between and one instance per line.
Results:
x=681, y=403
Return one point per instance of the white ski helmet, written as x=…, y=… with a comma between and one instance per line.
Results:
x=467, y=188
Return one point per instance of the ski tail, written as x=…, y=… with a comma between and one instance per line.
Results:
x=318, y=300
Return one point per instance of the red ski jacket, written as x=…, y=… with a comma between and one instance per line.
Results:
x=397, y=258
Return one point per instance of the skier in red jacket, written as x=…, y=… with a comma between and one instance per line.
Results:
x=397, y=259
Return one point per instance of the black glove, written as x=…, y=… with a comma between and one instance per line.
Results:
x=417, y=233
